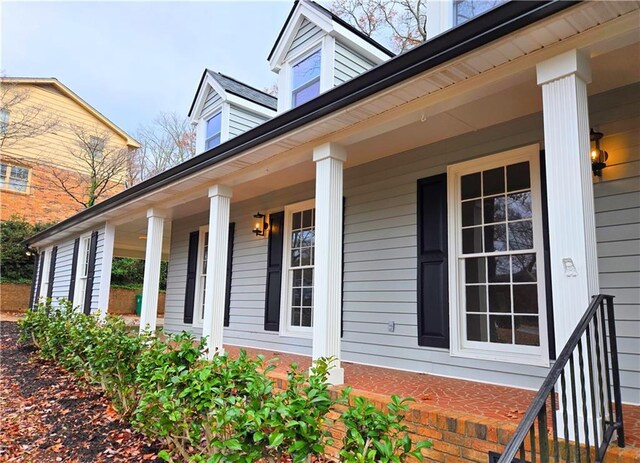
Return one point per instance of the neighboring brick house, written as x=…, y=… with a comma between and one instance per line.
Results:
x=39, y=123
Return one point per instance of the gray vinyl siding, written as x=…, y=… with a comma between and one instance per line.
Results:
x=95, y=292
x=617, y=203
x=241, y=120
x=62, y=277
x=308, y=33
x=380, y=252
x=349, y=64
x=212, y=100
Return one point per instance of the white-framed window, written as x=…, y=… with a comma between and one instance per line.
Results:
x=82, y=271
x=44, y=277
x=305, y=78
x=201, y=275
x=496, y=269
x=213, y=131
x=14, y=178
x=296, y=313
x=4, y=121
x=464, y=10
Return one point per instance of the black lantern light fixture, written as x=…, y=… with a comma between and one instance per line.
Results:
x=261, y=224
x=598, y=155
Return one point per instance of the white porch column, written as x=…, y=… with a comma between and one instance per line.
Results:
x=105, y=271
x=213, y=324
x=152, y=259
x=572, y=234
x=572, y=231
x=327, y=289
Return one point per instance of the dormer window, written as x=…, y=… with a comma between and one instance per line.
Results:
x=214, y=130
x=306, y=79
x=464, y=10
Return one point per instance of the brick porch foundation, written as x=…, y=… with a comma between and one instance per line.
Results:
x=464, y=419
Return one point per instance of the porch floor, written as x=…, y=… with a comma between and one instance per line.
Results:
x=501, y=403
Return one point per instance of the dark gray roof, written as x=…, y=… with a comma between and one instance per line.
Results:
x=243, y=90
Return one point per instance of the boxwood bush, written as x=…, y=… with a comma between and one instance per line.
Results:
x=220, y=410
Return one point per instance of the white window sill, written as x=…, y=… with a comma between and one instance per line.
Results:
x=521, y=358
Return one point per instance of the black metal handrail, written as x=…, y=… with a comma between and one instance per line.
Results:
x=599, y=401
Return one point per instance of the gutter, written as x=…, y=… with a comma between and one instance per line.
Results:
x=495, y=24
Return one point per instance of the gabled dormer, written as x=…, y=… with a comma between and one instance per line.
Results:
x=224, y=108
x=316, y=50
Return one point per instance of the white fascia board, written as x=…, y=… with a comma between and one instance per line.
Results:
x=358, y=44
x=204, y=90
x=250, y=106
x=302, y=11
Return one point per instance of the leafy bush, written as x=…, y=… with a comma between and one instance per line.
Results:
x=374, y=436
x=129, y=273
x=220, y=410
x=16, y=266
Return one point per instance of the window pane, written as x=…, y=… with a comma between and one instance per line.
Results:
x=468, y=9
x=307, y=279
x=295, y=316
x=500, y=329
x=297, y=220
x=212, y=142
x=18, y=178
x=306, y=70
x=305, y=317
x=519, y=205
x=471, y=213
x=297, y=278
x=214, y=125
x=524, y=267
x=494, y=209
x=472, y=240
x=498, y=269
x=493, y=181
x=495, y=238
x=527, y=331
x=296, y=297
x=305, y=256
x=518, y=177
x=525, y=299
x=475, y=270
x=476, y=298
x=307, y=297
x=470, y=186
x=306, y=93
x=477, y=328
x=500, y=298
x=4, y=120
x=3, y=174
x=521, y=235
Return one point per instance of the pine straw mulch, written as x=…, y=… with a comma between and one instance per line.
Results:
x=46, y=415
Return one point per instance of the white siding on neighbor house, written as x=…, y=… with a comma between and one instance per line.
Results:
x=307, y=34
x=349, y=64
x=62, y=277
x=211, y=101
x=617, y=203
x=241, y=120
x=380, y=252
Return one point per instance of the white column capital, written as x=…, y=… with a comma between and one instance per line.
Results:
x=220, y=190
x=568, y=63
x=156, y=212
x=329, y=150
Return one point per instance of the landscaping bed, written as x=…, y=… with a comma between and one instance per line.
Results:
x=47, y=415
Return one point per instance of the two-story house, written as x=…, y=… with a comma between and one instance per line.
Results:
x=44, y=125
x=450, y=212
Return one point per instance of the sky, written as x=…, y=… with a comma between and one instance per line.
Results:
x=132, y=60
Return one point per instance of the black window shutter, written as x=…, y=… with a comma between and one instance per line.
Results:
x=37, y=279
x=192, y=267
x=88, y=293
x=52, y=271
x=227, y=290
x=433, y=291
x=74, y=268
x=547, y=258
x=274, y=272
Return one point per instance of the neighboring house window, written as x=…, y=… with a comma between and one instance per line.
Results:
x=214, y=127
x=306, y=79
x=201, y=272
x=14, y=178
x=97, y=146
x=4, y=121
x=465, y=10
x=298, y=264
x=497, y=272
x=83, y=271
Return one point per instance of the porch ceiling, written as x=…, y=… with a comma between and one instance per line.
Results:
x=484, y=87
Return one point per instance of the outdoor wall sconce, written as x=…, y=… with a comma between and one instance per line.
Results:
x=261, y=224
x=598, y=155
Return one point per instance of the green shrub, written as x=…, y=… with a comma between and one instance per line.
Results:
x=17, y=266
x=375, y=436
